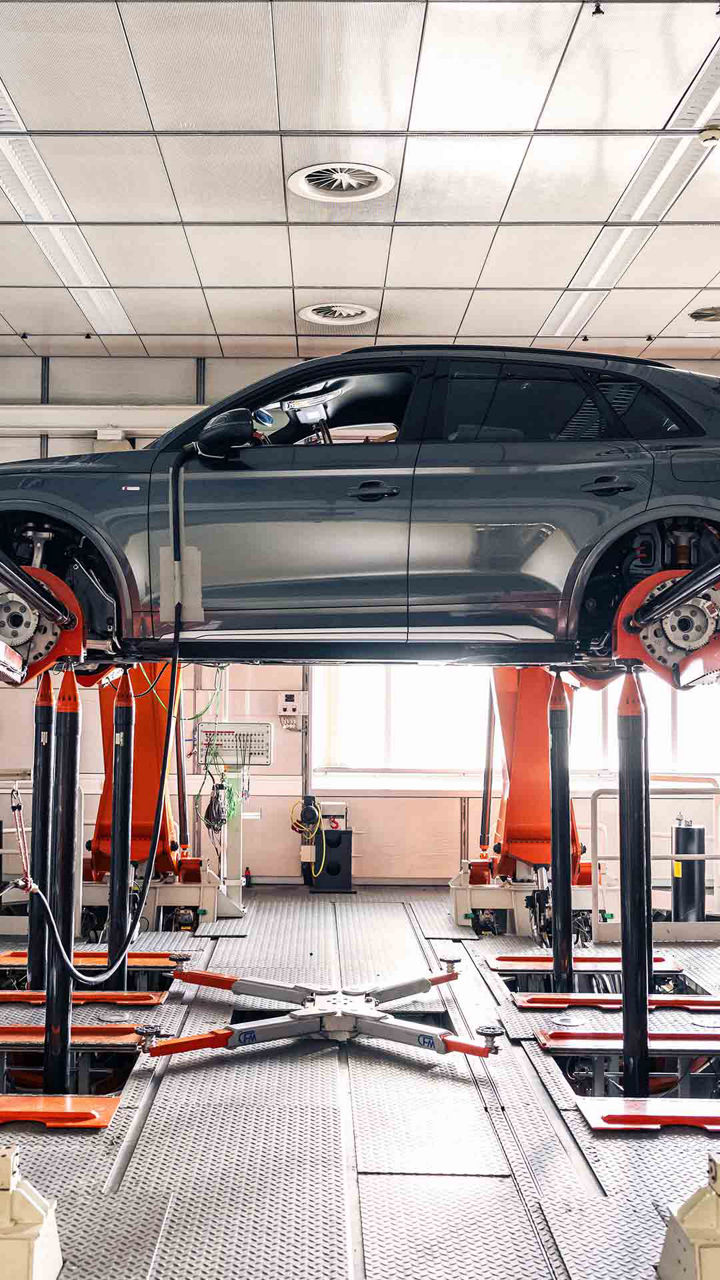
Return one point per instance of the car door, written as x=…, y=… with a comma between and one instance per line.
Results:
x=523, y=467
x=304, y=541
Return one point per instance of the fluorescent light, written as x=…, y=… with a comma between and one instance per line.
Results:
x=70, y=254
x=571, y=313
x=27, y=182
x=9, y=117
x=610, y=256
x=103, y=309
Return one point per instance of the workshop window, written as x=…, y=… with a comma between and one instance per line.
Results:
x=513, y=403
x=431, y=721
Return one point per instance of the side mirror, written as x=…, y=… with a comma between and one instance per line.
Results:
x=225, y=432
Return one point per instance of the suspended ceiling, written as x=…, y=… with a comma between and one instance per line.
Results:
x=549, y=187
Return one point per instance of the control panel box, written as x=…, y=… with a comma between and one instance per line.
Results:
x=237, y=743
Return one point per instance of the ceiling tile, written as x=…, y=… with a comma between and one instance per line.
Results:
x=681, y=326
x=181, y=345
x=110, y=179
x=4, y=326
x=630, y=71
x=314, y=348
x=628, y=312
x=339, y=256
x=123, y=344
x=7, y=211
x=257, y=256
x=301, y=152
x=573, y=179
x=67, y=346
x=629, y=347
x=458, y=179
x=676, y=256
x=166, y=310
x=488, y=66
x=226, y=179
x=700, y=200
x=494, y=311
x=346, y=66
x=667, y=348
x=10, y=345
x=438, y=257
x=68, y=66
x=143, y=256
x=238, y=345
x=536, y=257
x=22, y=261
x=553, y=344
x=251, y=310
x=428, y=311
x=362, y=297
x=226, y=377
x=204, y=66
x=42, y=311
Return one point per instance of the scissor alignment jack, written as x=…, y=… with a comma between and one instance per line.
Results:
x=327, y=1014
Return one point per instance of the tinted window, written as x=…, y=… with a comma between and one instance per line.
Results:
x=487, y=401
x=361, y=408
x=644, y=415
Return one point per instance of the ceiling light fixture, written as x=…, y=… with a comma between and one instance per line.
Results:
x=33, y=192
x=338, y=313
x=338, y=182
x=664, y=173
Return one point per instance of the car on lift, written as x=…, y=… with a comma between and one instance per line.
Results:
x=414, y=503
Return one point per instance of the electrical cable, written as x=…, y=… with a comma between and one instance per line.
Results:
x=309, y=833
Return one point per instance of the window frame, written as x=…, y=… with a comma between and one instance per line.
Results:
x=696, y=431
x=441, y=383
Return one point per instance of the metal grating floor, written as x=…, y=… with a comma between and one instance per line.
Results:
x=369, y=1161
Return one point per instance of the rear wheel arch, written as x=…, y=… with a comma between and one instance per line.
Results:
x=581, y=577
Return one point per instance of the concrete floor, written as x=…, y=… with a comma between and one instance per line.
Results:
x=366, y=1160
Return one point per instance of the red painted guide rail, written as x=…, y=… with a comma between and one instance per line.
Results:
x=556, y=1002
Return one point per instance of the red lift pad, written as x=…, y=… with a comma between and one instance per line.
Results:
x=63, y=1112
x=606, y=1115
x=662, y=1043
x=111, y=1036
x=588, y=964
x=132, y=998
x=98, y=959
x=556, y=1002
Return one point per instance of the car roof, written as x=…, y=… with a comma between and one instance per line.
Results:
x=473, y=350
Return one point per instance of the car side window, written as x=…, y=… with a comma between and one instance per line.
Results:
x=359, y=408
x=644, y=415
x=501, y=403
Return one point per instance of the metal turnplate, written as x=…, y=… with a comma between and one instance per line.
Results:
x=325, y=1014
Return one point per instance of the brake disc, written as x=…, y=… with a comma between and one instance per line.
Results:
x=685, y=628
x=23, y=629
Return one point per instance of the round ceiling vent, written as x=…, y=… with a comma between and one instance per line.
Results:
x=705, y=313
x=338, y=182
x=338, y=313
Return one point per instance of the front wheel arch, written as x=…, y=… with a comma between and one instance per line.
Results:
x=119, y=579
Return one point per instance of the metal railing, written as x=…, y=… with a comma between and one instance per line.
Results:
x=604, y=931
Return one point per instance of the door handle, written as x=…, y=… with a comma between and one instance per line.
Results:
x=606, y=486
x=372, y=491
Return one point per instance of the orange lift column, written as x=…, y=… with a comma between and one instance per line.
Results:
x=150, y=713
x=523, y=829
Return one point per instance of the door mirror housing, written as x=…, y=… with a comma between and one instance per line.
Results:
x=225, y=432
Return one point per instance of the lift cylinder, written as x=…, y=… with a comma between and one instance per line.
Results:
x=688, y=878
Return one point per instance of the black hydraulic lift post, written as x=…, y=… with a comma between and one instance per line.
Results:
x=181, y=774
x=560, y=837
x=488, y=772
x=634, y=924
x=40, y=834
x=58, y=1012
x=647, y=843
x=121, y=830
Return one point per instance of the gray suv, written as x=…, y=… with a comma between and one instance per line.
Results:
x=398, y=504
